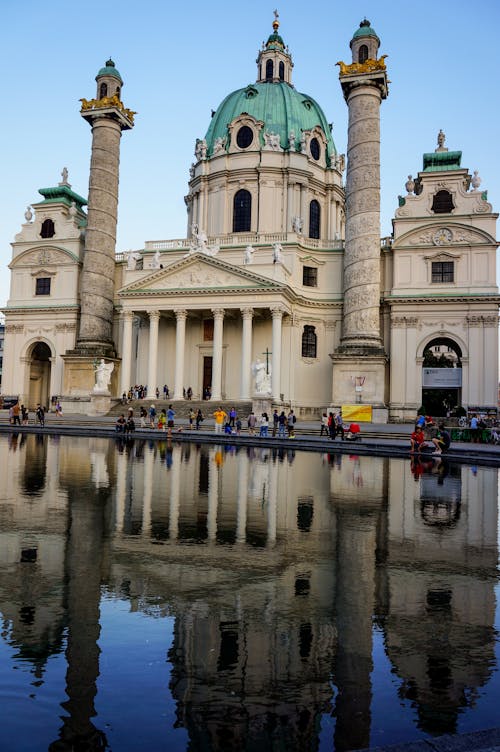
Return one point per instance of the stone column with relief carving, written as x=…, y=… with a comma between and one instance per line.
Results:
x=361, y=352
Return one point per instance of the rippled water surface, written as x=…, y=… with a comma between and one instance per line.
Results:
x=157, y=596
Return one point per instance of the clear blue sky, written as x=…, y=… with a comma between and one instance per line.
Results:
x=178, y=61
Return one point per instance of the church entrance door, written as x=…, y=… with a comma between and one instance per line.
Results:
x=39, y=376
x=207, y=374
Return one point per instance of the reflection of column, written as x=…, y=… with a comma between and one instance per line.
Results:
x=217, y=354
x=121, y=490
x=356, y=544
x=125, y=381
x=213, y=495
x=246, y=352
x=154, y=318
x=175, y=482
x=272, y=504
x=180, y=345
x=148, y=493
x=277, y=314
x=83, y=563
x=242, y=497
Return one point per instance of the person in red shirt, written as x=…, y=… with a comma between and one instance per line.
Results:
x=417, y=438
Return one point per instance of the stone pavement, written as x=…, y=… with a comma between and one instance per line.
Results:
x=477, y=741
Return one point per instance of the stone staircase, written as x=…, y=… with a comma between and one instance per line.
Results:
x=183, y=407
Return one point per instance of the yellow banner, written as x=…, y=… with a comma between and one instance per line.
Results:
x=356, y=413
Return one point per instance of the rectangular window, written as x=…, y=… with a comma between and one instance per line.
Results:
x=310, y=276
x=208, y=330
x=442, y=271
x=42, y=286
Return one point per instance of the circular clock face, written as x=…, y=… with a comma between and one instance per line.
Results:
x=443, y=236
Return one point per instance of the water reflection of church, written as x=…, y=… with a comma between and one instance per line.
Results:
x=275, y=630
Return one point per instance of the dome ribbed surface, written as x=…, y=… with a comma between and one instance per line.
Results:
x=282, y=109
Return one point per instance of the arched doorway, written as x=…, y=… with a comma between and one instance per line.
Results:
x=441, y=377
x=39, y=375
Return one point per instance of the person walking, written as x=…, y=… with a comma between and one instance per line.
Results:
x=143, y=415
x=199, y=419
x=152, y=416
x=192, y=417
x=16, y=413
x=291, y=420
x=339, y=425
x=40, y=415
x=170, y=419
x=232, y=417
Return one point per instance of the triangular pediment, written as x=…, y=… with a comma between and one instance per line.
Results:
x=199, y=273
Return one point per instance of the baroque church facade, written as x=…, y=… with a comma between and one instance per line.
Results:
x=283, y=287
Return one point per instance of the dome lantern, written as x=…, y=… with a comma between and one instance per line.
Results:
x=274, y=62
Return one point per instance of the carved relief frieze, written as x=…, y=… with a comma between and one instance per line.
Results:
x=400, y=322
x=14, y=328
x=482, y=321
x=67, y=327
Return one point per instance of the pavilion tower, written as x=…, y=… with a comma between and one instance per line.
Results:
x=360, y=361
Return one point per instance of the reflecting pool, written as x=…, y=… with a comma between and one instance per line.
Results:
x=181, y=596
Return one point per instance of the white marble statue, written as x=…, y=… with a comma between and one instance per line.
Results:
x=291, y=140
x=155, y=263
x=249, y=251
x=199, y=243
x=28, y=214
x=219, y=145
x=73, y=211
x=303, y=143
x=277, y=253
x=132, y=258
x=64, y=175
x=103, y=373
x=441, y=139
x=262, y=377
x=297, y=225
x=200, y=149
x=191, y=170
x=271, y=141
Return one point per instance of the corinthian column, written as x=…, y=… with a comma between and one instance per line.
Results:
x=154, y=319
x=277, y=314
x=217, y=354
x=128, y=318
x=246, y=352
x=180, y=344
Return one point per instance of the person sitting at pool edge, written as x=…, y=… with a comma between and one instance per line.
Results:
x=442, y=440
x=417, y=438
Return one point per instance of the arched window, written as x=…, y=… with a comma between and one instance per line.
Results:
x=363, y=54
x=309, y=342
x=315, y=148
x=314, y=219
x=282, y=70
x=242, y=211
x=48, y=229
x=244, y=137
x=269, y=70
x=103, y=91
x=442, y=203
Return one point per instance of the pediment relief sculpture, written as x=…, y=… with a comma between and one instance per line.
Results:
x=44, y=257
x=446, y=235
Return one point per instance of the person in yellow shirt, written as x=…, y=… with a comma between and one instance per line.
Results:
x=220, y=417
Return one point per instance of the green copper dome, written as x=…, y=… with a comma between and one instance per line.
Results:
x=275, y=40
x=109, y=70
x=365, y=30
x=282, y=109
